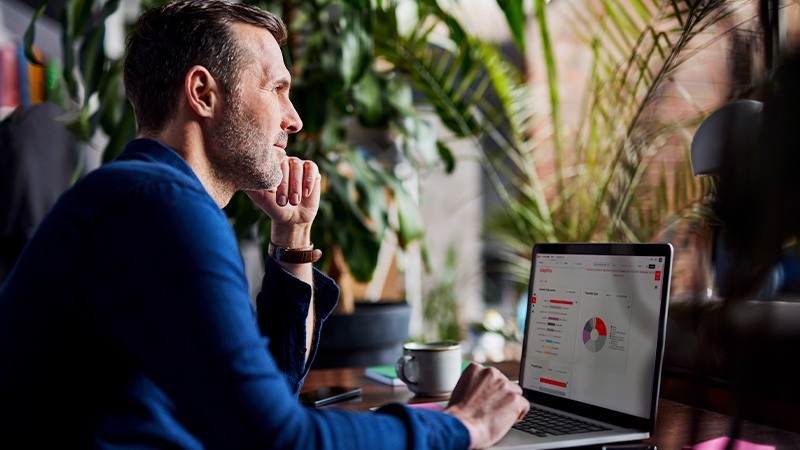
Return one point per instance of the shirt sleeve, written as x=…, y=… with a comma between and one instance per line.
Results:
x=170, y=297
x=283, y=305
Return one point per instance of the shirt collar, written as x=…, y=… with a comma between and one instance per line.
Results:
x=146, y=149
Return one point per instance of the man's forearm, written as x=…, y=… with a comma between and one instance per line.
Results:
x=294, y=237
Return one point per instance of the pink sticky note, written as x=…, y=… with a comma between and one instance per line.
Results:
x=436, y=406
x=720, y=443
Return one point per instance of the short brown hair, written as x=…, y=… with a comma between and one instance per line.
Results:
x=170, y=39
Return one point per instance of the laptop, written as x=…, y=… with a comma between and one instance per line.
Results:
x=593, y=343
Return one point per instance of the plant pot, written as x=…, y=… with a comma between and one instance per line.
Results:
x=373, y=334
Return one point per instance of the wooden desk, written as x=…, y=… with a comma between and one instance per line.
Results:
x=673, y=428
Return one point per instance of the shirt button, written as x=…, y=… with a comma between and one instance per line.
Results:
x=303, y=350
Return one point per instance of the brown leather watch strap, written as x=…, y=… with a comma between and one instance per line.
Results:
x=300, y=255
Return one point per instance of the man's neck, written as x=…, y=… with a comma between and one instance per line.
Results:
x=192, y=150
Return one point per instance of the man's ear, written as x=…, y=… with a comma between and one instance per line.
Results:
x=202, y=91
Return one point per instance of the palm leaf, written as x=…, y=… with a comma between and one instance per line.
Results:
x=637, y=47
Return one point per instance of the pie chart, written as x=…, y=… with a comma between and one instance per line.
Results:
x=594, y=334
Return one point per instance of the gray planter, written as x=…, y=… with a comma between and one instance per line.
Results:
x=373, y=335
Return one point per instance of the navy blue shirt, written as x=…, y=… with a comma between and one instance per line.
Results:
x=127, y=323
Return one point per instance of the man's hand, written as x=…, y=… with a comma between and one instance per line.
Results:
x=293, y=205
x=487, y=403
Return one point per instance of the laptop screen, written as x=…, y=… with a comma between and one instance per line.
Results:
x=594, y=331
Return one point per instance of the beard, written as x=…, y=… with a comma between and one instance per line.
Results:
x=243, y=152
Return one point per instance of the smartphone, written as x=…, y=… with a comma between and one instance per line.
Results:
x=329, y=394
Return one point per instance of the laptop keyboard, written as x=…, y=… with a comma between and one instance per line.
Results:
x=542, y=423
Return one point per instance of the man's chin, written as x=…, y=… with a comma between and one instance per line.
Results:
x=266, y=185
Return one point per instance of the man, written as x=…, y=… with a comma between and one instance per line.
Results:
x=127, y=321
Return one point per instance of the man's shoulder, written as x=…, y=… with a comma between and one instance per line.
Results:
x=145, y=162
x=136, y=187
x=138, y=177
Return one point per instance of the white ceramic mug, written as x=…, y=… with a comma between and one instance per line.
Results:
x=430, y=369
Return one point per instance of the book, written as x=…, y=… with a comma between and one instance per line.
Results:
x=36, y=79
x=388, y=374
x=23, y=78
x=384, y=374
x=9, y=77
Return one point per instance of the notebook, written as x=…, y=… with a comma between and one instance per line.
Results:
x=593, y=343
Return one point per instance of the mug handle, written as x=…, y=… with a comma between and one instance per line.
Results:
x=400, y=367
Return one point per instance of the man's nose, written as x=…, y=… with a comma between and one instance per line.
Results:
x=291, y=120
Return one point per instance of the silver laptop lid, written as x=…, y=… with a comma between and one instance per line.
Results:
x=594, y=335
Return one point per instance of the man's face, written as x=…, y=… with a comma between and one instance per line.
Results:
x=248, y=142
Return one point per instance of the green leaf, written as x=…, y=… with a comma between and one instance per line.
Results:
x=81, y=127
x=350, y=228
x=121, y=135
x=92, y=59
x=333, y=133
x=111, y=101
x=109, y=8
x=56, y=90
x=371, y=103
x=411, y=226
x=69, y=39
x=361, y=250
x=30, y=34
x=515, y=16
x=356, y=47
x=420, y=144
x=81, y=15
x=446, y=156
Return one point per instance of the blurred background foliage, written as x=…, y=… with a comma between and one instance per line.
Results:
x=620, y=169
x=362, y=68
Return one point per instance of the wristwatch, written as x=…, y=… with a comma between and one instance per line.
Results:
x=300, y=255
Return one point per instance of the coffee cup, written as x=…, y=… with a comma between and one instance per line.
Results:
x=430, y=369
